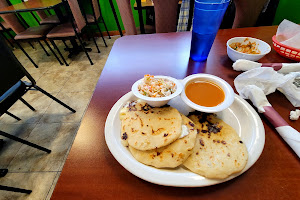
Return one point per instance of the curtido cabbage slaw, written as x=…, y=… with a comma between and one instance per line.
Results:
x=156, y=87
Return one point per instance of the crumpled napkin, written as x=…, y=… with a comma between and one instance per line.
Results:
x=288, y=33
x=268, y=80
x=289, y=89
x=255, y=84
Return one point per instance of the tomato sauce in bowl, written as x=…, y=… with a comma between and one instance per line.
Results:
x=205, y=93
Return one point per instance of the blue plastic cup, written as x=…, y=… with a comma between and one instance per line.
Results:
x=208, y=15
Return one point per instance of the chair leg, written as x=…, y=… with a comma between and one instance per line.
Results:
x=13, y=189
x=105, y=27
x=62, y=57
x=101, y=34
x=54, y=98
x=67, y=48
x=27, y=104
x=12, y=115
x=24, y=142
x=96, y=44
x=53, y=52
x=85, y=51
x=43, y=48
x=26, y=54
x=31, y=45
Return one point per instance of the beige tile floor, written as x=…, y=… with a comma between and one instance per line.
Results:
x=51, y=125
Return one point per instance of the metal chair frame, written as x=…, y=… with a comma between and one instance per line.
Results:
x=35, y=39
x=72, y=38
x=96, y=20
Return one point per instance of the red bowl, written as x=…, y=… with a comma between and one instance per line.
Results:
x=286, y=51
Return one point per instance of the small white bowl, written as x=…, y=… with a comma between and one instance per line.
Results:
x=234, y=55
x=157, y=101
x=229, y=94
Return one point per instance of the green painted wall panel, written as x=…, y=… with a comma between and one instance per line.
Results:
x=288, y=9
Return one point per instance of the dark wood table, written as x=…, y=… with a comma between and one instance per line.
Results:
x=31, y=6
x=91, y=172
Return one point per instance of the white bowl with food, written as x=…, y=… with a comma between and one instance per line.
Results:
x=247, y=48
x=157, y=90
x=207, y=93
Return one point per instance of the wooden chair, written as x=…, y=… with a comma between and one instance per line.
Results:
x=72, y=29
x=165, y=15
x=30, y=34
x=127, y=16
x=95, y=17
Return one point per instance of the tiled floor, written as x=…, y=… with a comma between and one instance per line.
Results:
x=51, y=125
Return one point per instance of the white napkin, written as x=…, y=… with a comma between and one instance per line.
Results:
x=284, y=68
x=288, y=33
x=255, y=84
x=268, y=80
x=265, y=78
x=289, y=89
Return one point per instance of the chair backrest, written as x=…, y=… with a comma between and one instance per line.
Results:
x=165, y=15
x=41, y=14
x=11, y=19
x=96, y=8
x=127, y=16
x=11, y=70
x=76, y=12
x=247, y=12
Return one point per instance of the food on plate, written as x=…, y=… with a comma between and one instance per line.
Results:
x=246, y=47
x=172, y=155
x=156, y=87
x=144, y=127
x=164, y=138
x=219, y=151
x=205, y=93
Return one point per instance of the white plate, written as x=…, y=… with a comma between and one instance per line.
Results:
x=240, y=115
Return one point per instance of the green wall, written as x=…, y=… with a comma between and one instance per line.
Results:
x=288, y=9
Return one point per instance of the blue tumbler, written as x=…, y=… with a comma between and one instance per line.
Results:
x=208, y=15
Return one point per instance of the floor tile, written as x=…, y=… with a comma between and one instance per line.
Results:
x=58, y=137
x=11, y=147
x=53, y=82
x=82, y=81
x=48, y=197
x=76, y=100
x=38, y=182
x=37, y=100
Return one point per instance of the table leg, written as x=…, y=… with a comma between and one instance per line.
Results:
x=116, y=17
x=76, y=49
x=139, y=8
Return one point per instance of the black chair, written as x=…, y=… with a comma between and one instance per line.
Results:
x=12, y=88
x=95, y=17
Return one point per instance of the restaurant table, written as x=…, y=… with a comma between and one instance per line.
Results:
x=32, y=5
x=91, y=171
